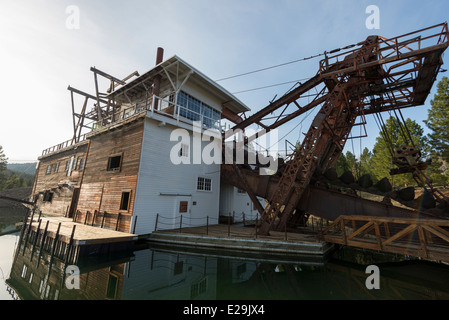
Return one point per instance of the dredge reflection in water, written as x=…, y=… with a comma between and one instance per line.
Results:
x=171, y=273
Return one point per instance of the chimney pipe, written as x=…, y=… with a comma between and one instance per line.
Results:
x=157, y=78
x=159, y=55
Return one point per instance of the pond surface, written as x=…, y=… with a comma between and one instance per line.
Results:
x=153, y=272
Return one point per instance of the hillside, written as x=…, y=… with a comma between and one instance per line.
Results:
x=28, y=168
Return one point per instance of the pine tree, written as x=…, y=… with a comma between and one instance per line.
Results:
x=438, y=120
x=382, y=160
x=3, y=162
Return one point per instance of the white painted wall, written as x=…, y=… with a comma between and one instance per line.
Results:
x=237, y=205
x=157, y=275
x=162, y=185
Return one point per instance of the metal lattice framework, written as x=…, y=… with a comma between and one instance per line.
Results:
x=379, y=75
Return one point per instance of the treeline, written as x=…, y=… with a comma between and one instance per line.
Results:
x=394, y=133
x=10, y=179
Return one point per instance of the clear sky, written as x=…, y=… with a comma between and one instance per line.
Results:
x=40, y=54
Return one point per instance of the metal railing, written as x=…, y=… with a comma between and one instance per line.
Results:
x=388, y=48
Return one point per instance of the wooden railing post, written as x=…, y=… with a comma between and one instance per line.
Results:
x=155, y=225
x=180, y=224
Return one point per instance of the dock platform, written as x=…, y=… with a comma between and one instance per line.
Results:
x=71, y=240
x=243, y=238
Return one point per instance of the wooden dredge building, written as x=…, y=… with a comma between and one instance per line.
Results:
x=119, y=174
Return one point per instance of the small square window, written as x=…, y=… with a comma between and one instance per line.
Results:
x=48, y=169
x=115, y=163
x=57, y=167
x=67, y=165
x=48, y=196
x=204, y=184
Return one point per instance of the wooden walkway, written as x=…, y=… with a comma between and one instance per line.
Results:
x=423, y=238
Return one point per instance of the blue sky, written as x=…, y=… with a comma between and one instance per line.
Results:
x=40, y=56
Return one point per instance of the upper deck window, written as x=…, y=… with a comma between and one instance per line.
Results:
x=196, y=110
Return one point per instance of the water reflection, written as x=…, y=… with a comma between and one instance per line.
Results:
x=171, y=273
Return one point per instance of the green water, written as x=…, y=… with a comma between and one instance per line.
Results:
x=172, y=273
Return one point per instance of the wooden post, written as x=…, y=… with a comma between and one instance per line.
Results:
x=69, y=247
x=135, y=223
x=35, y=240
x=44, y=235
x=155, y=225
x=102, y=219
x=55, y=241
x=207, y=225
x=85, y=218
x=422, y=239
x=285, y=232
x=379, y=239
x=180, y=224
x=93, y=219
x=343, y=229
x=116, y=223
x=255, y=225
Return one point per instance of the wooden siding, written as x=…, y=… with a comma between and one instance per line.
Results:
x=60, y=184
x=101, y=189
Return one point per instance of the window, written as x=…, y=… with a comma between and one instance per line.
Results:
x=196, y=110
x=204, y=184
x=111, y=292
x=57, y=167
x=184, y=151
x=124, y=202
x=183, y=206
x=24, y=271
x=75, y=161
x=67, y=164
x=198, y=288
x=48, y=169
x=115, y=163
x=48, y=196
x=82, y=164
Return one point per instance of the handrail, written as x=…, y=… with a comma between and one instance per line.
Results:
x=63, y=145
x=394, y=45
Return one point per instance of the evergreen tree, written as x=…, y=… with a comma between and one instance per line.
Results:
x=3, y=162
x=382, y=160
x=438, y=121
